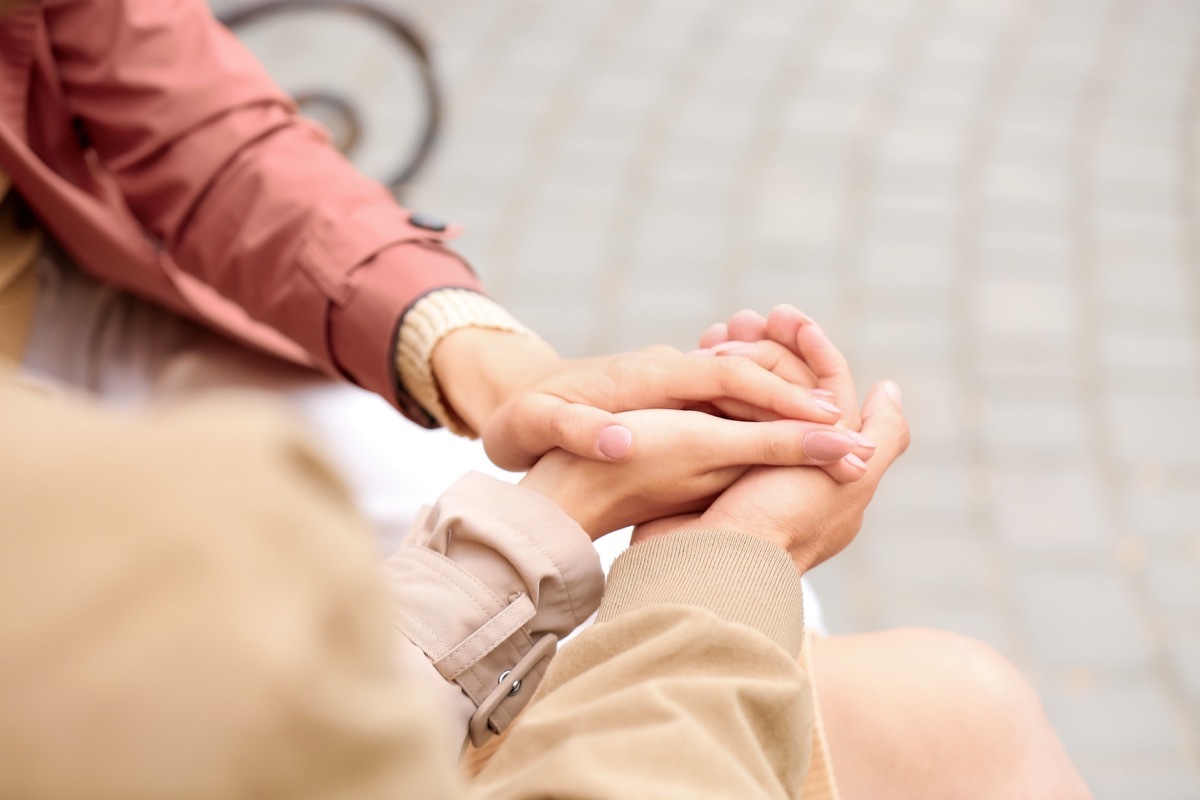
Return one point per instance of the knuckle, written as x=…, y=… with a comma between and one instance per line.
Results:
x=777, y=449
x=561, y=422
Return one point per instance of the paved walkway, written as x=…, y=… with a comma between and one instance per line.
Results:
x=992, y=202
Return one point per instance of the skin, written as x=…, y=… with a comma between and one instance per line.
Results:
x=525, y=401
x=918, y=714
x=688, y=459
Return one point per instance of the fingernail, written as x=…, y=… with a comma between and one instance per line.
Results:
x=860, y=440
x=826, y=446
x=825, y=405
x=823, y=393
x=855, y=462
x=735, y=348
x=615, y=442
x=893, y=390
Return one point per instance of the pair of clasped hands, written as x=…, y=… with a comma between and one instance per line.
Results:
x=758, y=432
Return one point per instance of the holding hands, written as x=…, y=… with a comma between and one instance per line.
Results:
x=690, y=469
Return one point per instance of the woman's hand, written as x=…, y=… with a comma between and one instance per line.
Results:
x=792, y=346
x=683, y=459
x=803, y=510
x=525, y=401
x=822, y=368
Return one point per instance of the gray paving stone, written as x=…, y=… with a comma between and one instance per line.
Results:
x=1052, y=510
x=1154, y=427
x=979, y=617
x=1173, y=583
x=940, y=487
x=1136, y=353
x=1117, y=721
x=1161, y=781
x=898, y=265
x=1172, y=514
x=1024, y=256
x=923, y=145
x=1053, y=366
x=1027, y=184
x=1026, y=310
x=1184, y=651
x=1144, y=282
x=1071, y=614
x=1143, y=164
x=1035, y=424
x=947, y=560
x=1136, y=131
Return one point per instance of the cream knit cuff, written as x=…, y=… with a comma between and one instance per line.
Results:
x=433, y=317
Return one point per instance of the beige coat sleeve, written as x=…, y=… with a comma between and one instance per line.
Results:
x=484, y=586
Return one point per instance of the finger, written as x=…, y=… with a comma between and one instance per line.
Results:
x=849, y=469
x=831, y=369
x=781, y=361
x=885, y=425
x=695, y=379
x=747, y=326
x=736, y=409
x=778, y=443
x=714, y=335
x=539, y=423
x=784, y=322
x=772, y=356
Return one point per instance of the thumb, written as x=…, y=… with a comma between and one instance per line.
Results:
x=885, y=425
x=525, y=431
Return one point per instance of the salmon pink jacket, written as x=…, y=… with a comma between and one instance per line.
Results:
x=158, y=152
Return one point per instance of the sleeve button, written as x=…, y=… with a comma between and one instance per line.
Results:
x=426, y=222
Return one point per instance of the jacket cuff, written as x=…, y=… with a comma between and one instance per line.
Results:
x=738, y=577
x=365, y=319
x=484, y=586
x=426, y=323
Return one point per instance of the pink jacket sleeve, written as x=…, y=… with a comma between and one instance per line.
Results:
x=213, y=160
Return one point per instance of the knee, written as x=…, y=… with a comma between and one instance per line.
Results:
x=991, y=715
x=968, y=677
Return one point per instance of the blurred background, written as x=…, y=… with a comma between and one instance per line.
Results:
x=993, y=202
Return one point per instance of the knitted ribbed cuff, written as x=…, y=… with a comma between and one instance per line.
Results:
x=433, y=317
x=738, y=577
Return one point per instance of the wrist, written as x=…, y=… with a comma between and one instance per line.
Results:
x=564, y=486
x=454, y=352
x=478, y=369
x=799, y=550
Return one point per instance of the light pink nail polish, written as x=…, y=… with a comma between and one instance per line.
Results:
x=825, y=405
x=826, y=446
x=855, y=462
x=860, y=440
x=823, y=393
x=615, y=442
